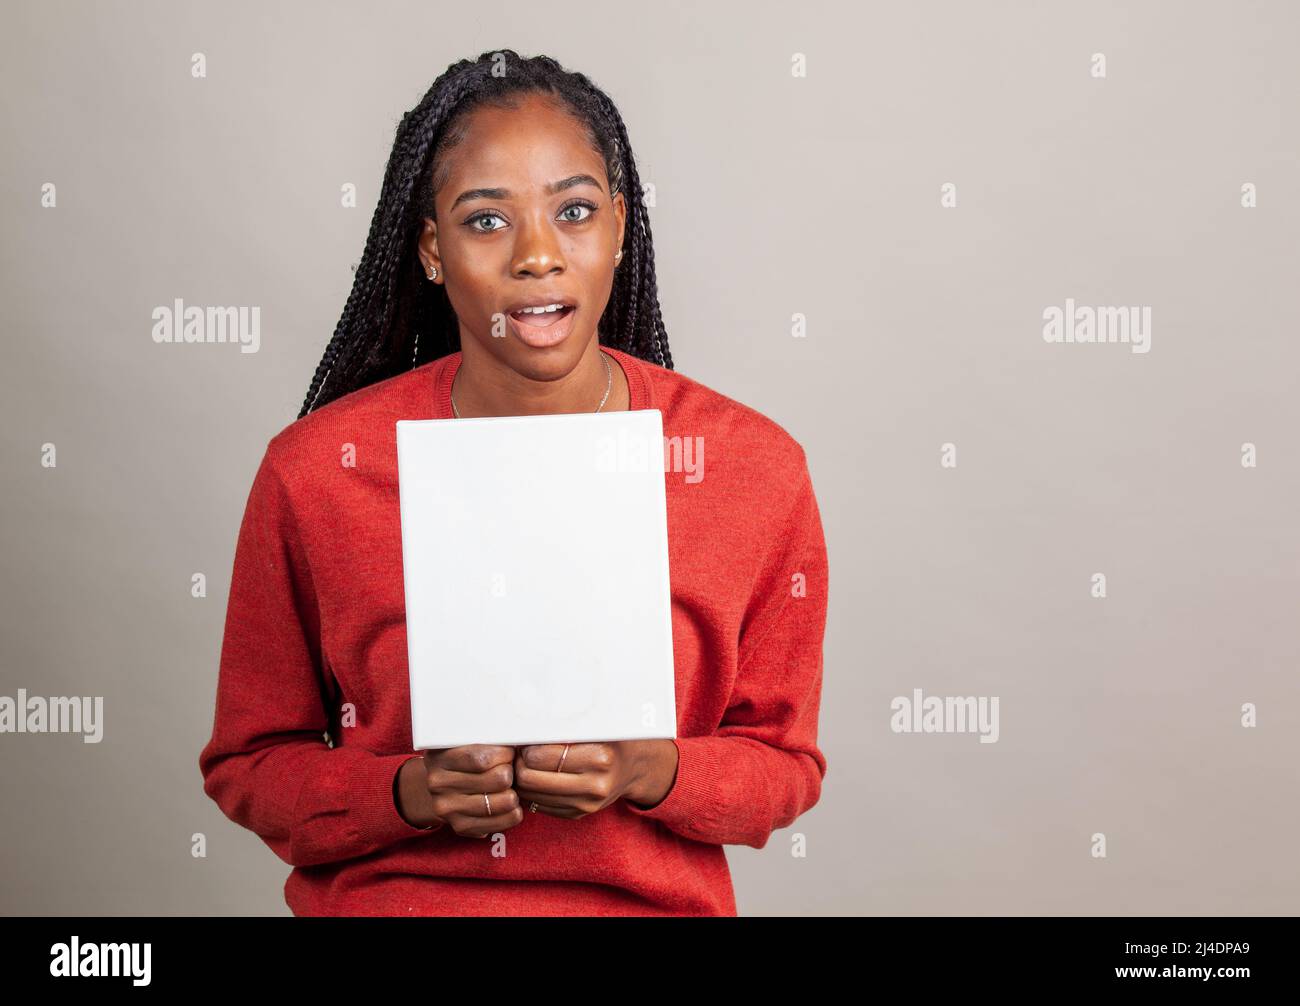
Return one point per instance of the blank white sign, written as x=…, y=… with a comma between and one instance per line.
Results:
x=535, y=560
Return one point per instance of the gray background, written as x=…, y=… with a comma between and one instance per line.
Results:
x=775, y=195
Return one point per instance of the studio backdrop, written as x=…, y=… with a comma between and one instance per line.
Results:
x=1020, y=278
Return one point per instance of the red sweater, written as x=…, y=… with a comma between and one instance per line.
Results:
x=316, y=620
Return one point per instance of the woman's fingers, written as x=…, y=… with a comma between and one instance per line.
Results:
x=474, y=768
x=472, y=788
x=579, y=758
x=467, y=813
x=586, y=773
x=470, y=758
x=563, y=780
x=554, y=811
x=493, y=780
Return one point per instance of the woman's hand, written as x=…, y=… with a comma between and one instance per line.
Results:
x=449, y=784
x=594, y=775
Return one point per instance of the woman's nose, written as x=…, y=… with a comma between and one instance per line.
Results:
x=537, y=248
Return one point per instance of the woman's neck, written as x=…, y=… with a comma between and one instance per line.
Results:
x=484, y=386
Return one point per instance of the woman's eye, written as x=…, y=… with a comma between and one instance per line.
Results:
x=576, y=206
x=484, y=216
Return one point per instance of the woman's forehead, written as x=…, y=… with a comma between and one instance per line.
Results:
x=535, y=122
x=511, y=149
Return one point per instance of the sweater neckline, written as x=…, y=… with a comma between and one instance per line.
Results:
x=638, y=384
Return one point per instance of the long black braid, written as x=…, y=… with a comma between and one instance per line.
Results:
x=394, y=317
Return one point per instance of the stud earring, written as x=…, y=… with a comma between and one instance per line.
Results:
x=433, y=273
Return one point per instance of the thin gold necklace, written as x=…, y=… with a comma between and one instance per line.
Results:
x=609, y=383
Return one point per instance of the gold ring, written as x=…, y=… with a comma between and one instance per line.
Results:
x=489, y=804
x=560, y=767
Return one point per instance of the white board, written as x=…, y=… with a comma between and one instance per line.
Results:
x=535, y=563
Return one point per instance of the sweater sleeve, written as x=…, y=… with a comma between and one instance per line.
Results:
x=761, y=767
x=268, y=765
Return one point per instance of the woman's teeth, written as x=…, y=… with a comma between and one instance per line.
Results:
x=540, y=315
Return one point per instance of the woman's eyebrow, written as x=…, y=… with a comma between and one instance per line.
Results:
x=552, y=189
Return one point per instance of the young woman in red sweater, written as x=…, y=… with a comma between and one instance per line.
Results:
x=509, y=270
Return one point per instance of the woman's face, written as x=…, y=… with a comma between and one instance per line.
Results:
x=525, y=218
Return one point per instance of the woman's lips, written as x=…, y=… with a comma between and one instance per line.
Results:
x=543, y=330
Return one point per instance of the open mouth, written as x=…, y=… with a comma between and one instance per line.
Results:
x=543, y=327
x=542, y=319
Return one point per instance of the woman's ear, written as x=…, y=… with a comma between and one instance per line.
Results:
x=427, y=249
x=620, y=214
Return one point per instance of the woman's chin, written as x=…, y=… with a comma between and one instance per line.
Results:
x=542, y=364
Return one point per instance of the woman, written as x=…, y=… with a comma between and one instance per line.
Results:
x=509, y=270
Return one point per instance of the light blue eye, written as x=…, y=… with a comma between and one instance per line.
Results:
x=485, y=216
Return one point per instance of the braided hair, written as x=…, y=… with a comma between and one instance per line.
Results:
x=393, y=314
